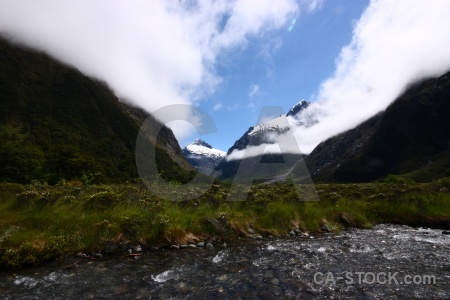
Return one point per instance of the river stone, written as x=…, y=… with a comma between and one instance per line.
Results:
x=192, y=246
x=98, y=255
x=222, y=277
x=184, y=246
x=292, y=232
x=200, y=244
x=250, y=230
x=110, y=248
x=209, y=246
x=138, y=248
x=182, y=286
x=82, y=255
x=274, y=281
x=176, y=247
x=325, y=228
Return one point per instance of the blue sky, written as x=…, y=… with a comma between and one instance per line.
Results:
x=352, y=58
x=305, y=56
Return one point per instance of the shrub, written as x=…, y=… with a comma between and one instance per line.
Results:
x=102, y=200
x=130, y=226
x=396, y=179
x=25, y=199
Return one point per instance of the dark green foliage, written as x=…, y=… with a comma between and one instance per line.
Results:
x=410, y=138
x=130, y=226
x=56, y=123
x=395, y=179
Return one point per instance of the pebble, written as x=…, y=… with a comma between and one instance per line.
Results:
x=210, y=246
x=222, y=277
x=138, y=248
x=325, y=228
x=98, y=255
x=250, y=230
x=192, y=246
x=184, y=246
x=182, y=286
x=176, y=247
x=200, y=244
x=82, y=255
x=291, y=232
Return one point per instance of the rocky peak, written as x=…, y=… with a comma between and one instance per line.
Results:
x=297, y=108
x=200, y=142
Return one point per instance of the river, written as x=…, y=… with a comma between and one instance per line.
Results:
x=354, y=264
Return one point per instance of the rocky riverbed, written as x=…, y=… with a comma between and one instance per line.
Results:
x=361, y=264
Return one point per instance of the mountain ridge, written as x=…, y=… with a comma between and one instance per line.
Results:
x=58, y=124
x=411, y=138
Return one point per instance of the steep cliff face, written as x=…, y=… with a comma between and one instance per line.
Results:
x=411, y=137
x=56, y=123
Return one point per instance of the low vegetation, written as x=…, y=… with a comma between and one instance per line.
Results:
x=39, y=222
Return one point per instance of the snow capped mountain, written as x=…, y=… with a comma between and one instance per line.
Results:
x=278, y=125
x=264, y=133
x=257, y=137
x=203, y=156
x=298, y=108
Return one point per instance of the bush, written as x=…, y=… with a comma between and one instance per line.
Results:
x=102, y=200
x=396, y=179
x=25, y=199
x=130, y=226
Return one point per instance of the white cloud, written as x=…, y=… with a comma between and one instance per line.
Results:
x=314, y=5
x=394, y=44
x=217, y=106
x=282, y=143
x=253, y=90
x=152, y=53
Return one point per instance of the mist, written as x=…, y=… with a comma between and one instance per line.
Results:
x=151, y=53
x=394, y=44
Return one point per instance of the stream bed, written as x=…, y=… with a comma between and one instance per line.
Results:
x=386, y=262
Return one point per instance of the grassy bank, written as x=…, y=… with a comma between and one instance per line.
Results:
x=40, y=223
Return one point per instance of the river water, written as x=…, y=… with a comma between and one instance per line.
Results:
x=354, y=264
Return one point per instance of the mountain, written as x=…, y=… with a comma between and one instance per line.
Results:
x=256, y=137
x=58, y=124
x=203, y=156
x=411, y=138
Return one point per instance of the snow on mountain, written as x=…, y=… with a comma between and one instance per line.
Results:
x=200, y=148
x=293, y=112
x=278, y=125
x=203, y=156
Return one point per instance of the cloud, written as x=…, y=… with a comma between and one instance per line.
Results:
x=253, y=90
x=217, y=106
x=314, y=5
x=394, y=44
x=281, y=143
x=151, y=53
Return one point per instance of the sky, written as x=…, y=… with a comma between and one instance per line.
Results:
x=232, y=57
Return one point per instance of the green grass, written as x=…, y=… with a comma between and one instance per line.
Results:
x=40, y=222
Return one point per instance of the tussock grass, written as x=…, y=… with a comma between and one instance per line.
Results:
x=40, y=222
